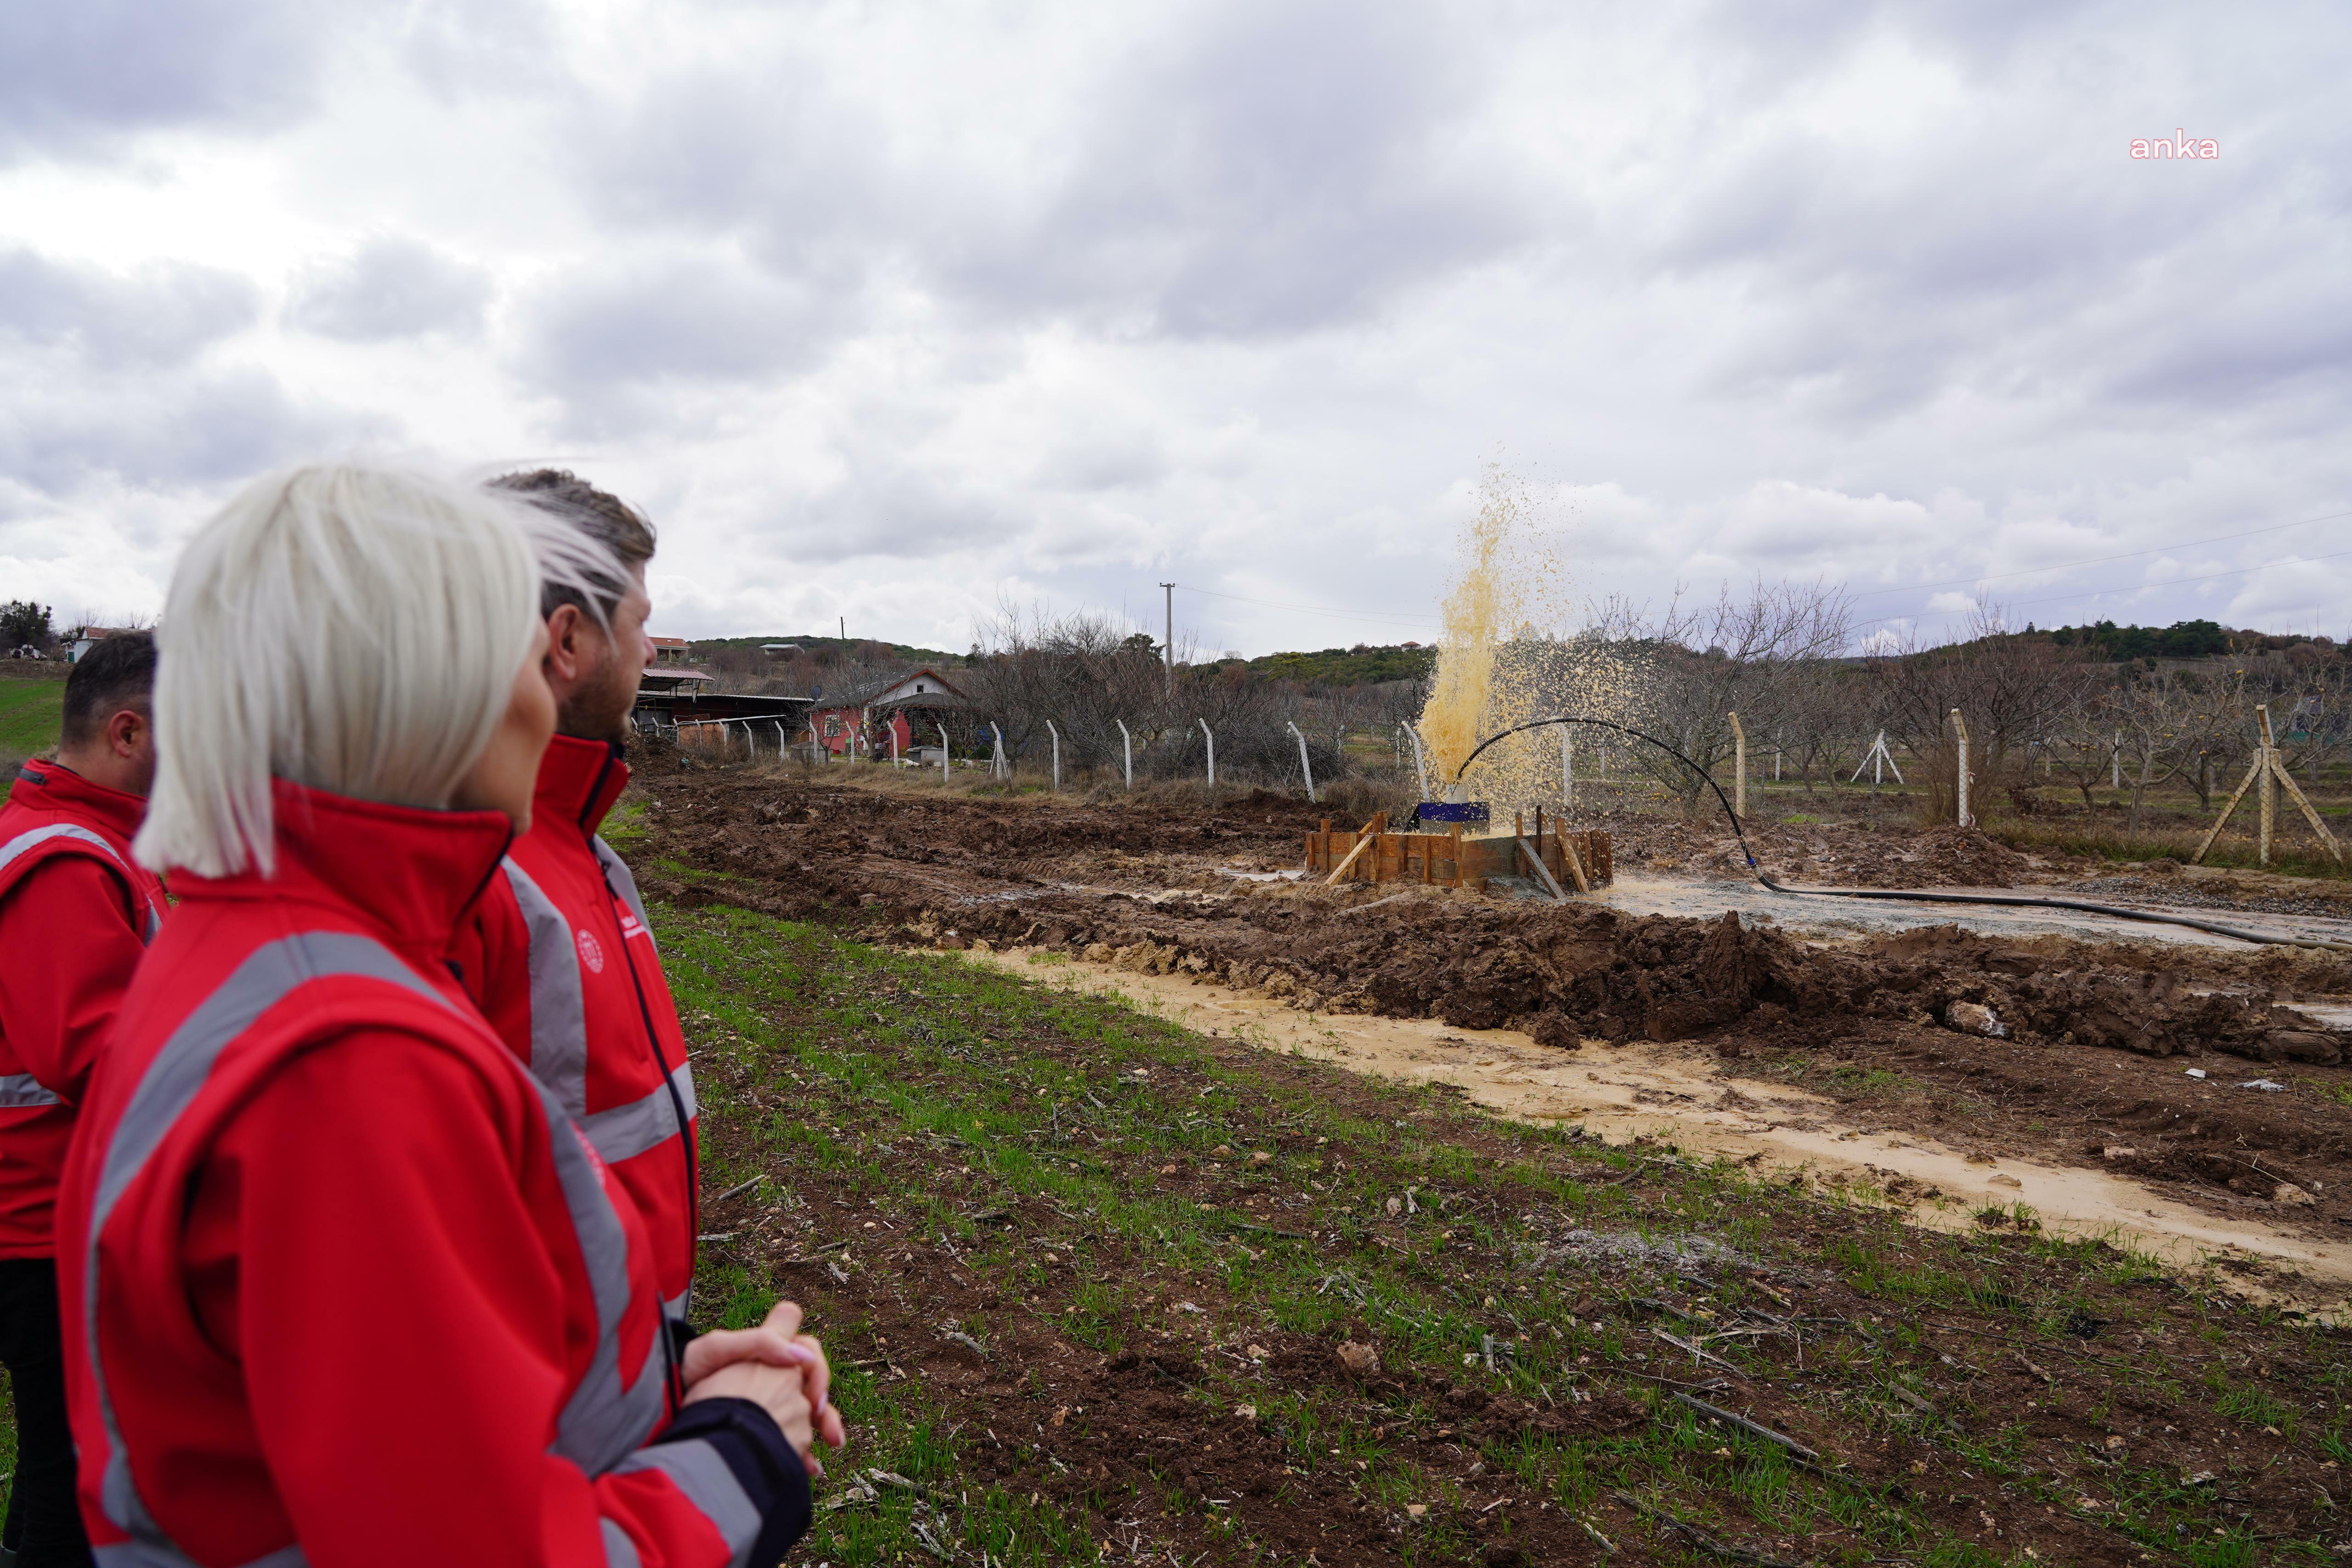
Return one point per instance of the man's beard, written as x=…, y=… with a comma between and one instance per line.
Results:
x=597, y=709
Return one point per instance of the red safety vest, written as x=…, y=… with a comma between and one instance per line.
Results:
x=558, y=955
x=341, y=1283
x=72, y=941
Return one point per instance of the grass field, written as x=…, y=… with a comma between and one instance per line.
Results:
x=30, y=710
x=1000, y=1199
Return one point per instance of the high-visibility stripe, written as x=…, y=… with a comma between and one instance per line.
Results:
x=170, y=1083
x=617, y=874
x=147, y=1554
x=648, y=1121
x=704, y=1477
x=33, y=838
x=22, y=1090
x=559, y=1007
x=605, y=1418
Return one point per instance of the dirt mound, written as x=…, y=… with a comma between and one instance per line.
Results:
x=1564, y=973
x=1953, y=856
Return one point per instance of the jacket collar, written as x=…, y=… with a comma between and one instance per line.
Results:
x=53, y=787
x=579, y=780
x=409, y=870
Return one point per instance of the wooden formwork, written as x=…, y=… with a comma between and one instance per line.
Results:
x=1450, y=860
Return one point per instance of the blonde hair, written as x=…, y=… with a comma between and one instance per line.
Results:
x=349, y=626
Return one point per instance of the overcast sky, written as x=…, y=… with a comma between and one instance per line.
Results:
x=896, y=313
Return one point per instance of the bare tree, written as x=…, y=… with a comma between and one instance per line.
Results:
x=2011, y=690
x=1756, y=654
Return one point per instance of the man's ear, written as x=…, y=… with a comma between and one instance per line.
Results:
x=566, y=658
x=126, y=732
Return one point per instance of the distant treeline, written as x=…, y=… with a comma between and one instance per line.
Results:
x=829, y=648
x=1360, y=664
x=2181, y=639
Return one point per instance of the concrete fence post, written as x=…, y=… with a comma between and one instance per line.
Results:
x=942, y=729
x=1420, y=761
x=1213, y=751
x=1739, y=768
x=2265, y=787
x=1305, y=768
x=1056, y=734
x=1126, y=752
x=1960, y=725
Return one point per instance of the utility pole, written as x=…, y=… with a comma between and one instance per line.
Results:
x=1168, y=648
x=845, y=629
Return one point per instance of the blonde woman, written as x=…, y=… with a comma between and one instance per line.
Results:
x=343, y=1284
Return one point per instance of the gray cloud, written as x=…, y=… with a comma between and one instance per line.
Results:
x=1253, y=172
x=78, y=77
x=211, y=428
x=613, y=343
x=160, y=314
x=1288, y=168
x=390, y=288
x=116, y=375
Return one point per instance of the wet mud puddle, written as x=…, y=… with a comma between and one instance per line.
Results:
x=1679, y=1094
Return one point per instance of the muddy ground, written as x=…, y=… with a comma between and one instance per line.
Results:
x=2090, y=1064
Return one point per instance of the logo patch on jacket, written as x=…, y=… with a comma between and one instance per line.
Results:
x=592, y=953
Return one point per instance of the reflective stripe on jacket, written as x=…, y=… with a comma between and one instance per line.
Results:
x=341, y=1283
x=560, y=961
x=76, y=914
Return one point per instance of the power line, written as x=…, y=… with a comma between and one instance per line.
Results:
x=2099, y=560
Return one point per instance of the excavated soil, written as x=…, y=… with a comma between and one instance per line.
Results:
x=2114, y=1055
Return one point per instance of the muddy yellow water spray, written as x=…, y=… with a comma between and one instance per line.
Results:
x=1506, y=656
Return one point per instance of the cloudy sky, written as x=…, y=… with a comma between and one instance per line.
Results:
x=899, y=313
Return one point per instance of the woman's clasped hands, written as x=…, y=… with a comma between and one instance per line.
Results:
x=776, y=1367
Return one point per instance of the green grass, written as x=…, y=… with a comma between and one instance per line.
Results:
x=30, y=713
x=624, y=824
x=838, y=1069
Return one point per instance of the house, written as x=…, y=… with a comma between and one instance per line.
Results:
x=886, y=717
x=671, y=650
x=92, y=636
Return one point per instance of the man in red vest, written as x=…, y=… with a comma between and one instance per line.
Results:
x=76, y=914
x=557, y=954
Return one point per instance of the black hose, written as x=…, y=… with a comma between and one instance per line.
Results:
x=2011, y=900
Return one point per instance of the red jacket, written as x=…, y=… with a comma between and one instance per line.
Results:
x=558, y=956
x=342, y=1285
x=76, y=915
